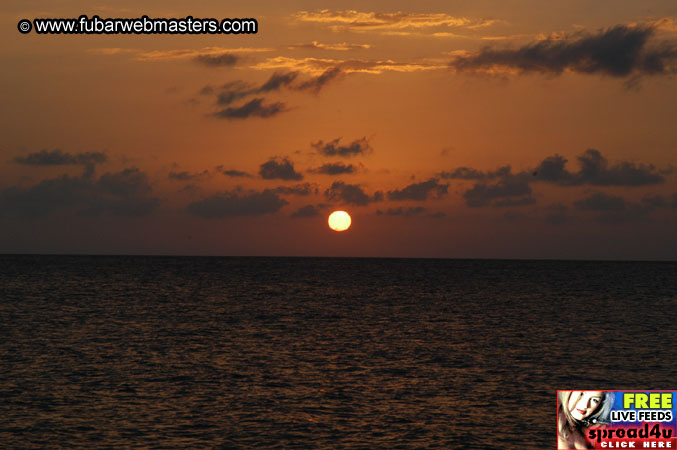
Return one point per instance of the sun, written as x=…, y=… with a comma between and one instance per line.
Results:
x=339, y=221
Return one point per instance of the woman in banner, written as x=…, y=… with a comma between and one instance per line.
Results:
x=577, y=412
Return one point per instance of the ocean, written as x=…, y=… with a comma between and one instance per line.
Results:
x=320, y=353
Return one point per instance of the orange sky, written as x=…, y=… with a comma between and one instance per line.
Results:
x=407, y=118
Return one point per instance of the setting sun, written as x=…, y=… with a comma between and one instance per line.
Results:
x=339, y=221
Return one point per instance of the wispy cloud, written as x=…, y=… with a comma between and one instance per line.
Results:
x=668, y=24
x=278, y=80
x=316, y=84
x=236, y=90
x=205, y=52
x=218, y=60
x=339, y=47
x=239, y=90
x=317, y=66
x=202, y=55
x=113, y=51
x=401, y=23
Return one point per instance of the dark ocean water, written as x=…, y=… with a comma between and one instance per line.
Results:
x=303, y=353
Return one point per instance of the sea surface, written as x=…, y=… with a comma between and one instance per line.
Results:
x=319, y=353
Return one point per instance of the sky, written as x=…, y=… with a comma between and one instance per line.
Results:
x=447, y=129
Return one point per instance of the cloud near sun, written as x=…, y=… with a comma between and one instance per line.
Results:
x=130, y=191
x=349, y=108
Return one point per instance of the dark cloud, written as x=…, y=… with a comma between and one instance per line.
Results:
x=237, y=203
x=417, y=210
x=420, y=191
x=225, y=98
x=619, y=51
x=46, y=197
x=503, y=188
x=187, y=176
x=334, y=148
x=632, y=214
x=552, y=169
x=505, y=192
x=468, y=173
x=254, y=108
x=234, y=173
x=317, y=83
x=299, y=189
x=557, y=214
x=520, y=201
x=595, y=171
x=125, y=183
x=613, y=209
x=409, y=212
x=655, y=201
x=351, y=194
x=306, y=211
x=190, y=188
x=58, y=158
x=464, y=173
x=126, y=193
x=557, y=218
x=600, y=201
x=222, y=60
x=280, y=169
x=514, y=216
x=335, y=169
